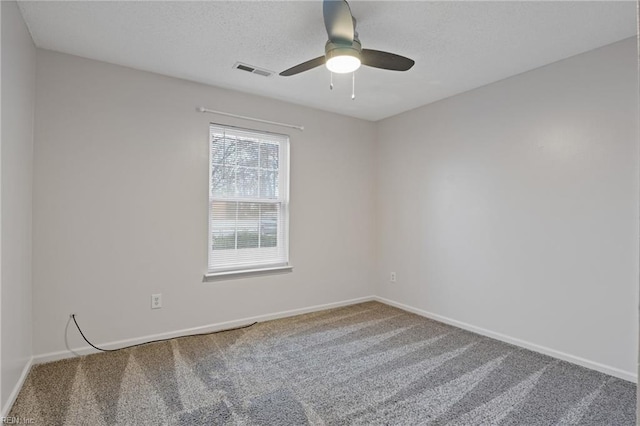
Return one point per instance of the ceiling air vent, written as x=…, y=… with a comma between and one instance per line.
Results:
x=254, y=70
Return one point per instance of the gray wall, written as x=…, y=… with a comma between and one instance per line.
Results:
x=514, y=207
x=120, y=210
x=18, y=94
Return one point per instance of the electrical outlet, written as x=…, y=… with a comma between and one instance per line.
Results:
x=156, y=301
x=392, y=277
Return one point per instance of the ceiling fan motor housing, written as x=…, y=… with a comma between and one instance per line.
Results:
x=333, y=49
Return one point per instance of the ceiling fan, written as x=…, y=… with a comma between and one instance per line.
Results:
x=343, y=51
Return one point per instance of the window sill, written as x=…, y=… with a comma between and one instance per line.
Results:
x=246, y=273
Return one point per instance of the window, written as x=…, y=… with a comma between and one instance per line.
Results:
x=248, y=200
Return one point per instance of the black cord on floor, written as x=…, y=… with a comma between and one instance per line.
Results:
x=73, y=316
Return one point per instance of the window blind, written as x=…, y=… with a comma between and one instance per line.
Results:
x=248, y=199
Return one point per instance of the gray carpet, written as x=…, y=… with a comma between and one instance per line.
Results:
x=365, y=364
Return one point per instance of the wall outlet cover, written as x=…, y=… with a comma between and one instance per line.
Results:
x=156, y=301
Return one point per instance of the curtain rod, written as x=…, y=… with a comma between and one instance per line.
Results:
x=259, y=120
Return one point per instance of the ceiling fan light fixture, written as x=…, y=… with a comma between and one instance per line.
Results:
x=343, y=64
x=343, y=60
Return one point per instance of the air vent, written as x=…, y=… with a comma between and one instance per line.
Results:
x=254, y=70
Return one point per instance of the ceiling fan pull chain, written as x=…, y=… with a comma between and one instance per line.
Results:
x=353, y=86
x=331, y=82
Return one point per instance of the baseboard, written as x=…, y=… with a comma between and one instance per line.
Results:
x=612, y=371
x=16, y=389
x=86, y=350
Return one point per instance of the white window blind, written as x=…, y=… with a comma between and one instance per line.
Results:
x=248, y=199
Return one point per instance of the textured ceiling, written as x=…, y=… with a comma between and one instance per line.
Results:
x=457, y=46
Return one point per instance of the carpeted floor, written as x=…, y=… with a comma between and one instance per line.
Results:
x=364, y=364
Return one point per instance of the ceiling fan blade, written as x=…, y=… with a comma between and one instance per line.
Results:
x=385, y=60
x=338, y=20
x=305, y=66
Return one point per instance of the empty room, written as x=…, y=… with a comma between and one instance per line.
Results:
x=319, y=212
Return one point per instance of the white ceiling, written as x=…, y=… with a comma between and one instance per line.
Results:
x=457, y=46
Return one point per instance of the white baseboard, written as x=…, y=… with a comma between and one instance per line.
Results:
x=86, y=350
x=612, y=371
x=16, y=389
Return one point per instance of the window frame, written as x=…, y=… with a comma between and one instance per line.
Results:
x=229, y=271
